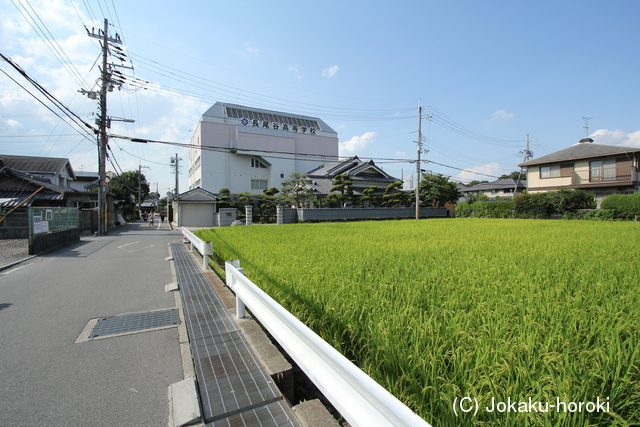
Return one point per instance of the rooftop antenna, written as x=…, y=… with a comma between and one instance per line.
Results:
x=586, y=126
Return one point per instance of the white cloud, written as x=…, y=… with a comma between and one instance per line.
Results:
x=330, y=72
x=10, y=124
x=249, y=51
x=502, y=115
x=357, y=145
x=401, y=153
x=295, y=71
x=616, y=137
x=480, y=173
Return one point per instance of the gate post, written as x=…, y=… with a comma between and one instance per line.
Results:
x=249, y=214
x=280, y=214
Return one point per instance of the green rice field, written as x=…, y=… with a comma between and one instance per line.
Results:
x=455, y=316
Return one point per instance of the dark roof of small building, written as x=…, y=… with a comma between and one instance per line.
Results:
x=17, y=186
x=581, y=151
x=352, y=167
x=38, y=164
x=196, y=190
x=495, y=185
x=322, y=176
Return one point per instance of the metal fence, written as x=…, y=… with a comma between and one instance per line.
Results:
x=49, y=219
x=18, y=218
x=358, y=398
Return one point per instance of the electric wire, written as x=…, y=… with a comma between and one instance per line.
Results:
x=41, y=102
x=51, y=43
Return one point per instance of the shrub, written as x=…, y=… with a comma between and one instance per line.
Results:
x=463, y=210
x=565, y=200
x=624, y=205
x=499, y=209
x=601, y=215
x=541, y=205
x=527, y=205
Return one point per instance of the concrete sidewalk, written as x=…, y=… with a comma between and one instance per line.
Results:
x=49, y=376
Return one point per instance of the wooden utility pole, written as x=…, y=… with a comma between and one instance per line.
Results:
x=417, y=191
x=175, y=163
x=419, y=162
x=103, y=138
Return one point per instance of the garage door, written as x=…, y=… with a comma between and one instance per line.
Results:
x=197, y=215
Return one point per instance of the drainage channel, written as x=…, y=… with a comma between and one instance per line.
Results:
x=234, y=387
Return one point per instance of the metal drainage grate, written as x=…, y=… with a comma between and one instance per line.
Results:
x=135, y=322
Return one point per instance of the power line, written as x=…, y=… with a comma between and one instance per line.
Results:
x=51, y=43
x=50, y=97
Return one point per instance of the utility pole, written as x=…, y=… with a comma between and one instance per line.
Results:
x=103, y=121
x=140, y=187
x=527, y=153
x=175, y=163
x=419, y=162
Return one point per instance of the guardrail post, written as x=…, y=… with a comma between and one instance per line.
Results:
x=240, y=308
x=208, y=250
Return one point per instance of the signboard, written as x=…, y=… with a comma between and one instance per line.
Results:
x=278, y=126
x=37, y=224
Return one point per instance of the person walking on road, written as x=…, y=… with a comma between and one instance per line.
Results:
x=151, y=219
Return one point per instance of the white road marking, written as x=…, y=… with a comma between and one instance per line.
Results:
x=130, y=251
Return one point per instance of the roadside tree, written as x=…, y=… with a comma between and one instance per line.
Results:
x=437, y=190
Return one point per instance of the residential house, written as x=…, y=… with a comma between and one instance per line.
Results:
x=57, y=170
x=363, y=175
x=17, y=185
x=18, y=188
x=84, y=181
x=500, y=188
x=601, y=169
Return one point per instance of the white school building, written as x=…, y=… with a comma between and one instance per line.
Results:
x=248, y=149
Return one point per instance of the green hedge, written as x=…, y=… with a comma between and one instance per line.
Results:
x=499, y=209
x=527, y=205
x=625, y=206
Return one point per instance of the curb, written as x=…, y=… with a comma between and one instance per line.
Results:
x=13, y=264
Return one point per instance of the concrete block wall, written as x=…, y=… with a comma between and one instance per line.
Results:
x=358, y=214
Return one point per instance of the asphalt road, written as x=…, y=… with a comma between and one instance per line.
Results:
x=45, y=303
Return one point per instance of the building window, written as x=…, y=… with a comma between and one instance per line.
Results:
x=602, y=170
x=258, y=184
x=552, y=171
x=255, y=163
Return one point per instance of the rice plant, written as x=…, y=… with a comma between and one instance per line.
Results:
x=493, y=310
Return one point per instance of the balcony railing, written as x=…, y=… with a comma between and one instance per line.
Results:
x=604, y=175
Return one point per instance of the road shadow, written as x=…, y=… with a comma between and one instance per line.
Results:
x=4, y=305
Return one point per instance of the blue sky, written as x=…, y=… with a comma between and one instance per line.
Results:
x=489, y=72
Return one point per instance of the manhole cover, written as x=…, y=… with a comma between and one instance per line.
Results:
x=135, y=323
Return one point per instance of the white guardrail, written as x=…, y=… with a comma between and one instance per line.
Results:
x=204, y=247
x=358, y=398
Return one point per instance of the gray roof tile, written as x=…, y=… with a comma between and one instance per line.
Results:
x=581, y=151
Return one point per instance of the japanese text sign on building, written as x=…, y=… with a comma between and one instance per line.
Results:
x=278, y=126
